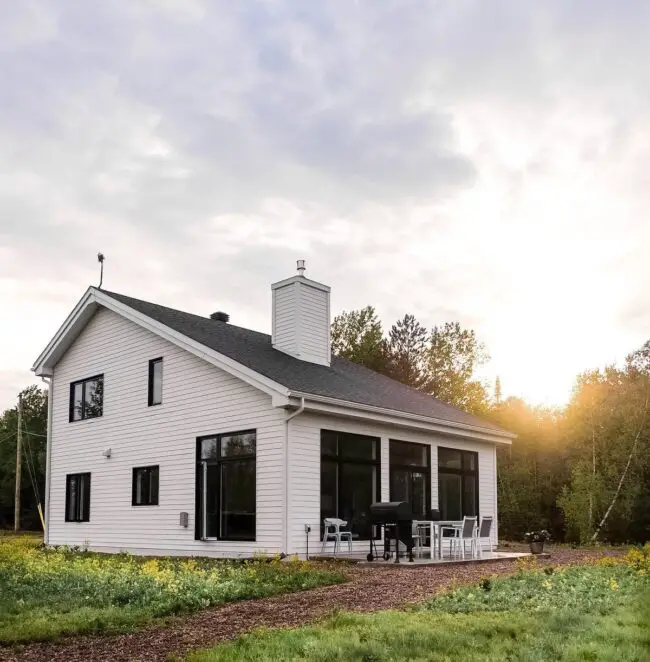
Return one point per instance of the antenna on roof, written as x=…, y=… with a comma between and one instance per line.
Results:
x=100, y=259
x=301, y=267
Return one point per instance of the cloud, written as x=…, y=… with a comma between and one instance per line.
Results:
x=478, y=161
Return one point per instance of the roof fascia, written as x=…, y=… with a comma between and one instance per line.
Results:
x=64, y=330
x=336, y=407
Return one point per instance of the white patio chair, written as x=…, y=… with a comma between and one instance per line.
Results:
x=442, y=530
x=484, y=532
x=466, y=531
x=333, y=532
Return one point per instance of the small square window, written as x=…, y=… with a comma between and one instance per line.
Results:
x=155, y=381
x=145, y=486
x=87, y=398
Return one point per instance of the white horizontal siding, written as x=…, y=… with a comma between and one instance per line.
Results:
x=304, y=470
x=285, y=331
x=198, y=399
x=315, y=323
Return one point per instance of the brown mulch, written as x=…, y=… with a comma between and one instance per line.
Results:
x=370, y=588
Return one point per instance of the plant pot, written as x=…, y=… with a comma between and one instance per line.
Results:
x=537, y=547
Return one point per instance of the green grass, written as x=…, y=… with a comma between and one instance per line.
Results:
x=46, y=593
x=596, y=613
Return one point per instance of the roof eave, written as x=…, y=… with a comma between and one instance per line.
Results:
x=335, y=406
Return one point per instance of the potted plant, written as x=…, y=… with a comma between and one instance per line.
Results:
x=537, y=540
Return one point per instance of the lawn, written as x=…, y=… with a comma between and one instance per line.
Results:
x=45, y=593
x=599, y=612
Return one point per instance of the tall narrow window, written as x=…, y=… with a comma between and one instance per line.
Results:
x=145, y=486
x=155, y=381
x=77, y=497
x=87, y=398
x=349, y=479
x=457, y=483
x=226, y=486
x=410, y=476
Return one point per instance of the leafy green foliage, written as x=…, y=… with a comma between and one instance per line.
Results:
x=453, y=356
x=34, y=447
x=589, y=613
x=44, y=593
x=357, y=336
x=581, y=589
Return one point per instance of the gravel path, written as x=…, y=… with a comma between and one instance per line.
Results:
x=370, y=588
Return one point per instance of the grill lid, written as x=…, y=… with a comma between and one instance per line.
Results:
x=390, y=511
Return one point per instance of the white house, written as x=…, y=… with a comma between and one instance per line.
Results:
x=174, y=433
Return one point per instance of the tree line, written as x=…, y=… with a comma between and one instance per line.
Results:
x=581, y=471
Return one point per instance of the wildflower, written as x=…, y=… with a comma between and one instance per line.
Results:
x=613, y=584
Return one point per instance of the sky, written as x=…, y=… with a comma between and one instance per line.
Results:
x=471, y=161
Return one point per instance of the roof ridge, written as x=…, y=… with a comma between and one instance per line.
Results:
x=184, y=312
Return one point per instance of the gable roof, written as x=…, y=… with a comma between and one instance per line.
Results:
x=343, y=380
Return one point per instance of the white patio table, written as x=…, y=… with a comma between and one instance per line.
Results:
x=435, y=533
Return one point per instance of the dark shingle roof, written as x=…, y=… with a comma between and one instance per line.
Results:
x=343, y=380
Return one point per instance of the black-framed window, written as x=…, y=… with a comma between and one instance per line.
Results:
x=155, y=381
x=226, y=486
x=87, y=398
x=410, y=476
x=144, y=491
x=350, y=479
x=457, y=483
x=77, y=497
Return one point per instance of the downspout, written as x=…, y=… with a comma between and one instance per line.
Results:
x=286, y=471
x=48, y=456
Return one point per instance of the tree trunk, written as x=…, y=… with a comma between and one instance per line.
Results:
x=624, y=474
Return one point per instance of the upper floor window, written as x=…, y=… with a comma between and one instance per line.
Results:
x=155, y=381
x=77, y=497
x=87, y=398
x=145, y=486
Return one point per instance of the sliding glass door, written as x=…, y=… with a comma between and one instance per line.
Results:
x=349, y=479
x=226, y=486
x=410, y=476
x=457, y=483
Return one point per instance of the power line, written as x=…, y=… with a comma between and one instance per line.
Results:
x=31, y=467
x=9, y=436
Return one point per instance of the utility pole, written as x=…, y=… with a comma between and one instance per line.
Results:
x=19, y=462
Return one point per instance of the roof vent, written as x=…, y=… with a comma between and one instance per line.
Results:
x=220, y=317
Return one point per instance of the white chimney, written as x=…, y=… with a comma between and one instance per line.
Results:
x=301, y=318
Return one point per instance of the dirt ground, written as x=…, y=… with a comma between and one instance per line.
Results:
x=368, y=589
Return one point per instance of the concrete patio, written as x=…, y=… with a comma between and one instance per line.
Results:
x=360, y=558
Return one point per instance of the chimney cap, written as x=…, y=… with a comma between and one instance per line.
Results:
x=300, y=264
x=220, y=316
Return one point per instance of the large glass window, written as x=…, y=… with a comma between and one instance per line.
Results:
x=226, y=491
x=77, y=497
x=87, y=398
x=457, y=483
x=349, y=479
x=410, y=476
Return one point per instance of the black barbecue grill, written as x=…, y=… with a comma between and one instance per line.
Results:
x=396, y=519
